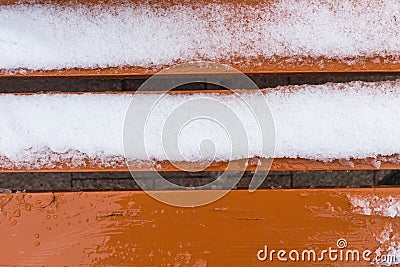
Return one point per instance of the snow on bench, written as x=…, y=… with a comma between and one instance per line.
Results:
x=330, y=126
x=318, y=127
x=333, y=126
x=136, y=38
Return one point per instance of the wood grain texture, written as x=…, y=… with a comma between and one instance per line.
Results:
x=132, y=229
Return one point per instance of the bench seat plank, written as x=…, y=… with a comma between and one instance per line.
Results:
x=131, y=228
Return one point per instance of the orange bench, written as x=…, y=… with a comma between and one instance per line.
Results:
x=131, y=228
x=127, y=228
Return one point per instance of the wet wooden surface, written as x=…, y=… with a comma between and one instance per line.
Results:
x=279, y=164
x=132, y=229
x=256, y=66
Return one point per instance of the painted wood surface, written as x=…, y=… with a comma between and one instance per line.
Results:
x=279, y=164
x=256, y=66
x=132, y=229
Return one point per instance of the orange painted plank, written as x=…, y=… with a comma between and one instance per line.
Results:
x=279, y=164
x=133, y=229
x=255, y=66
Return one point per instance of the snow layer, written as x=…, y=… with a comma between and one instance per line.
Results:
x=331, y=121
x=388, y=237
x=42, y=37
x=389, y=246
x=375, y=205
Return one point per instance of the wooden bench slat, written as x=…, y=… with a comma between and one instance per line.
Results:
x=131, y=228
x=383, y=61
x=279, y=164
x=260, y=66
